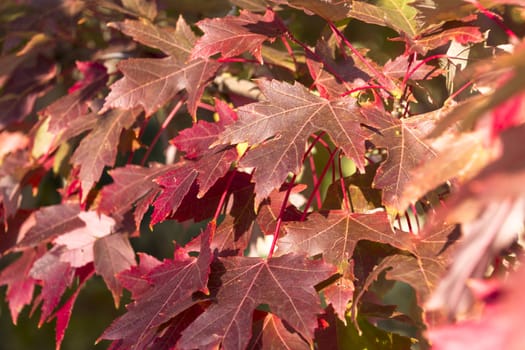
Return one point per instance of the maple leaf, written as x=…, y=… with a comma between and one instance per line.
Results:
x=51, y=222
x=233, y=35
x=134, y=279
x=63, y=314
x=332, y=10
x=430, y=256
x=211, y=163
x=272, y=333
x=281, y=125
x=399, y=15
x=133, y=185
x=336, y=234
x=400, y=66
x=174, y=184
x=333, y=78
x=151, y=83
x=270, y=211
x=23, y=88
x=172, y=284
x=20, y=285
x=76, y=104
x=463, y=35
x=113, y=254
x=459, y=157
x=439, y=11
x=285, y=284
x=406, y=148
x=99, y=147
x=145, y=8
x=55, y=276
x=76, y=246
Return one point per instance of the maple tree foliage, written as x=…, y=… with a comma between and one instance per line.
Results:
x=311, y=161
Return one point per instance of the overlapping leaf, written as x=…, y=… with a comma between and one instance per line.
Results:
x=272, y=333
x=151, y=83
x=76, y=104
x=99, y=148
x=174, y=184
x=111, y=255
x=50, y=222
x=233, y=35
x=285, y=284
x=20, y=285
x=281, y=125
x=172, y=284
x=399, y=15
x=132, y=185
x=211, y=163
x=431, y=253
x=336, y=234
x=406, y=148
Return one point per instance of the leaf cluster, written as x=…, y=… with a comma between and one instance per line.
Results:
x=365, y=162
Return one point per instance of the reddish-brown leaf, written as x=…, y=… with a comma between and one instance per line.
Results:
x=282, y=124
x=54, y=276
x=406, y=148
x=285, y=284
x=133, y=184
x=172, y=284
x=51, y=222
x=336, y=234
x=99, y=148
x=135, y=279
x=76, y=104
x=233, y=35
x=272, y=333
x=174, y=184
x=431, y=254
x=463, y=35
x=333, y=77
x=20, y=285
x=111, y=255
x=151, y=83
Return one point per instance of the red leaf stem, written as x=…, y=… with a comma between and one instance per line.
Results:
x=318, y=184
x=223, y=196
x=163, y=127
x=280, y=218
x=346, y=199
x=496, y=19
x=377, y=74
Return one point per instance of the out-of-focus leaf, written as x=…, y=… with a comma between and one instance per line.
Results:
x=146, y=8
